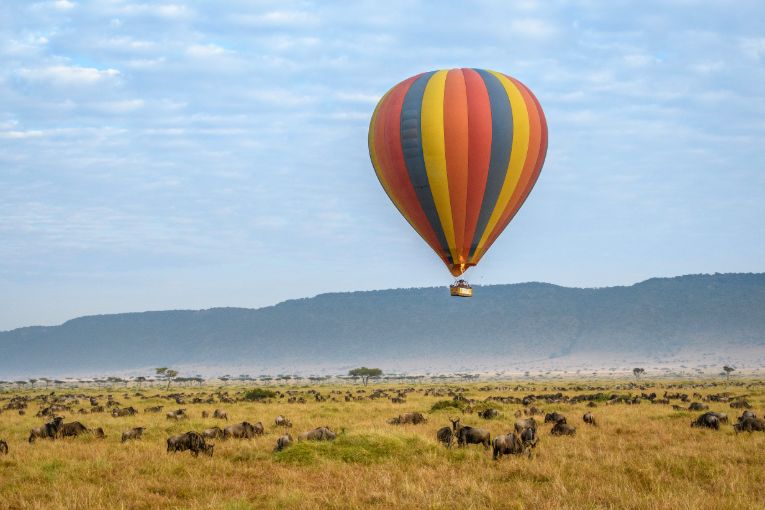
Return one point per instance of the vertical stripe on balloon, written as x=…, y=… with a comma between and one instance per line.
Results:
x=434, y=154
x=501, y=143
x=518, y=153
x=455, y=120
x=479, y=151
x=411, y=143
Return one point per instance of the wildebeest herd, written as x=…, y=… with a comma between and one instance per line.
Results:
x=522, y=439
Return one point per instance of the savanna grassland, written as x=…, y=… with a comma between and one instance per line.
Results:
x=642, y=456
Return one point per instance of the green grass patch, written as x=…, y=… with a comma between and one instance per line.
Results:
x=450, y=405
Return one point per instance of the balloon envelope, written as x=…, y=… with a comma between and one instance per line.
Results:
x=458, y=151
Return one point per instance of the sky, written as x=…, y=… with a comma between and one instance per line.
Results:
x=192, y=155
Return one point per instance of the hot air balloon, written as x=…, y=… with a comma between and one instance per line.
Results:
x=458, y=151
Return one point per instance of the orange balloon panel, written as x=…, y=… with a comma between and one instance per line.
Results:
x=458, y=151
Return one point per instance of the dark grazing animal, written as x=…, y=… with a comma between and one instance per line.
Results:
x=178, y=414
x=698, y=406
x=488, y=414
x=132, y=434
x=413, y=418
x=588, y=418
x=562, y=429
x=213, y=433
x=128, y=411
x=747, y=414
x=318, y=434
x=244, y=430
x=507, y=445
x=444, y=436
x=49, y=430
x=154, y=409
x=555, y=418
x=189, y=441
x=750, y=425
x=72, y=429
x=3, y=447
x=707, y=420
x=281, y=421
x=471, y=435
x=529, y=438
x=526, y=423
x=219, y=413
x=283, y=442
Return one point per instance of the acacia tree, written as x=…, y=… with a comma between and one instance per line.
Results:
x=638, y=372
x=365, y=373
x=728, y=370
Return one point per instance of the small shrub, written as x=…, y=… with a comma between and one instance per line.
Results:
x=259, y=394
x=447, y=404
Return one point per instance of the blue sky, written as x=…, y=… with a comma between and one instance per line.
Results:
x=191, y=155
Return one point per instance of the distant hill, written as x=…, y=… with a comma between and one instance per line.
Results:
x=658, y=317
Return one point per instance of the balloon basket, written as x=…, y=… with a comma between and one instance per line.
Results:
x=461, y=288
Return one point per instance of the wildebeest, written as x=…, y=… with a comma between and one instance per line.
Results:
x=283, y=442
x=3, y=447
x=471, y=435
x=748, y=422
x=413, y=418
x=444, y=436
x=281, y=421
x=507, y=445
x=707, y=420
x=562, y=429
x=178, y=414
x=588, y=418
x=698, y=406
x=555, y=418
x=153, y=409
x=747, y=414
x=526, y=423
x=213, y=433
x=740, y=404
x=76, y=428
x=318, y=434
x=488, y=414
x=244, y=430
x=134, y=433
x=529, y=437
x=189, y=441
x=128, y=411
x=219, y=413
x=49, y=430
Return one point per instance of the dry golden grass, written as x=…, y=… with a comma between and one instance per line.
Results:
x=639, y=456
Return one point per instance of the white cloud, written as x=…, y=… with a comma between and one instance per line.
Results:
x=63, y=5
x=279, y=97
x=159, y=10
x=205, y=50
x=753, y=47
x=126, y=106
x=278, y=18
x=358, y=97
x=639, y=59
x=22, y=134
x=127, y=43
x=68, y=75
x=533, y=28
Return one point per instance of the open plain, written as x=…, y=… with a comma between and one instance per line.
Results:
x=642, y=452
